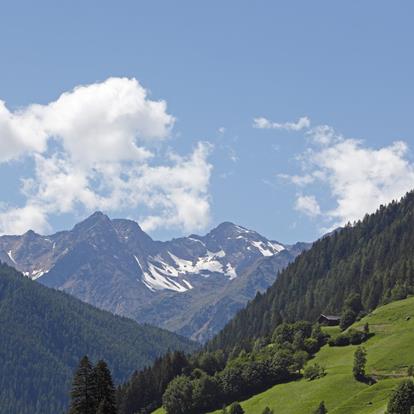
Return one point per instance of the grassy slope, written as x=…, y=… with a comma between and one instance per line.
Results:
x=390, y=351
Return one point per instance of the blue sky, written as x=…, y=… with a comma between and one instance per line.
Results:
x=201, y=158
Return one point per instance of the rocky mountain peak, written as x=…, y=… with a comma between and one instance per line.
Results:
x=115, y=265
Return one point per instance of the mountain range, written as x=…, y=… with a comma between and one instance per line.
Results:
x=190, y=285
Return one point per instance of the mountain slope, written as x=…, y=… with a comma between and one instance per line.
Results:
x=389, y=354
x=373, y=258
x=44, y=333
x=191, y=285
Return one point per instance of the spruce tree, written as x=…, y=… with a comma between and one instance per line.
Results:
x=105, y=390
x=83, y=394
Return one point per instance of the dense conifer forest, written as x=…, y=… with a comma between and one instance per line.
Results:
x=372, y=259
x=43, y=335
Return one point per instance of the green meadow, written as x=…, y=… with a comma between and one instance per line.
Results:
x=390, y=351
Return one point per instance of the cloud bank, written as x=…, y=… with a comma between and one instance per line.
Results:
x=357, y=177
x=98, y=147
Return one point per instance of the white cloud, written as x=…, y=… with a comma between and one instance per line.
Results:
x=323, y=135
x=359, y=178
x=19, y=220
x=94, y=149
x=264, y=123
x=299, y=180
x=308, y=205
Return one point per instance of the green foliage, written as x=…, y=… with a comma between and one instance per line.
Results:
x=351, y=337
x=390, y=352
x=313, y=372
x=243, y=376
x=348, y=317
x=178, y=397
x=372, y=259
x=44, y=334
x=360, y=361
x=351, y=309
x=267, y=410
x=144, y=391
x=402, y=399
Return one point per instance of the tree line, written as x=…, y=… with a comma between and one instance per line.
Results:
x=372, y=258
x=210, y=379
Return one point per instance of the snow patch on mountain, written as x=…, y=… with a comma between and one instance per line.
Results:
x=10, y=254
x=35, y=274
x=269, y=248
x=157, y=277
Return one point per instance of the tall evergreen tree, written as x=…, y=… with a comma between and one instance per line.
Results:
x=105, y=390
x=360, y=360
x=83, y=392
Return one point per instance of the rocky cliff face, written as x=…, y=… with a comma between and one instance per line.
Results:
x=191, y=285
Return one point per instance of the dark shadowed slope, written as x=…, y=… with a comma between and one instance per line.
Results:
x=44, y=333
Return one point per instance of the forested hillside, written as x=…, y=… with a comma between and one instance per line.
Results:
x=44, y=333
x=374, y=258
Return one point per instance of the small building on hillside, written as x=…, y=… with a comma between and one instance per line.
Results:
x=329, y=320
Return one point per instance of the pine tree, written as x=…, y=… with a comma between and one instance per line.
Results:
x=105, y=390
x=83, y=392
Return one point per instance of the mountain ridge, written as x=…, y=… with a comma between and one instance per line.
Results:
x=372, y=258
x=115, y=265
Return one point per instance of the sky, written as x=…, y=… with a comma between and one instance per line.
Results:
x=289, y=118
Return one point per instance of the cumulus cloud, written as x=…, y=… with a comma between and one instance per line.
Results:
x=358, y=178
x=361, y=178
x=264, y=123
x=95, y=148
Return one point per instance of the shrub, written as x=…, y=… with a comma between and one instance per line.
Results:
x=313, y=372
